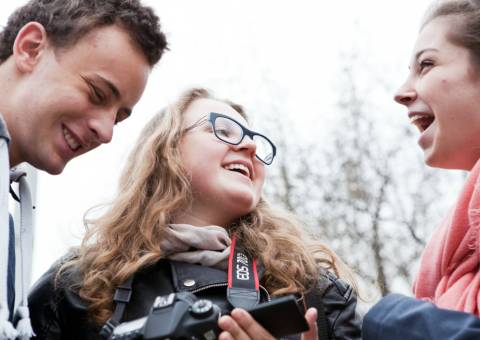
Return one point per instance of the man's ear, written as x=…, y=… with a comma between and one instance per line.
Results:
x=29, y=44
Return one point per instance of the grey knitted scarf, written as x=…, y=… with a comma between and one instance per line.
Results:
x=208, y=246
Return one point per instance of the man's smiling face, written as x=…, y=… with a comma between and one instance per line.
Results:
x=71, y=99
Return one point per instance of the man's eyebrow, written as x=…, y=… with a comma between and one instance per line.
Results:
x=111, y=86
x=115, y=91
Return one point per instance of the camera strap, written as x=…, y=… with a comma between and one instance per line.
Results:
x=243, y=287
x=122, y=296
x=314, y=299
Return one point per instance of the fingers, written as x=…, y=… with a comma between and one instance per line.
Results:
x=223, y=324
x=229, y=327
x=311, y=317
x=241, y=326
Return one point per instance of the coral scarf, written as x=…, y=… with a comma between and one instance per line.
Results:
x=449, y=274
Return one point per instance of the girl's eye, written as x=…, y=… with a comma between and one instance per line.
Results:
x=424, y=65
x=223, y=132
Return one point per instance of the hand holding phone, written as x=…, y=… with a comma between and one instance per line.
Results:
x=281, y=316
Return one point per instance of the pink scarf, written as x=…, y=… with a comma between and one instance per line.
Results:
x=449, y=274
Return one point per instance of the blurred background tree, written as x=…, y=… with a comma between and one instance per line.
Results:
x=364, y=188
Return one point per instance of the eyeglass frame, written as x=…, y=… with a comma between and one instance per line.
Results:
x=212, y=116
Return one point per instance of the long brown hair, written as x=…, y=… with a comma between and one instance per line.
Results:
x=466, y=30
x=153, y=186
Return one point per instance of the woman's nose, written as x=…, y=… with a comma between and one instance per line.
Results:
x=405, y=95
x=247, y=143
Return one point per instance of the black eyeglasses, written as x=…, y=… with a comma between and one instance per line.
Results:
x=230, y=131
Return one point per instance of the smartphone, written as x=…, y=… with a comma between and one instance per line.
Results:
x=281, y=316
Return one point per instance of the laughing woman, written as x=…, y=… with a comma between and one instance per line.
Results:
x=193, y=181
x=442, y=97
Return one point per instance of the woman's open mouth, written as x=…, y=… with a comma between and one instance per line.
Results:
x=240, y=168
x=422, y=120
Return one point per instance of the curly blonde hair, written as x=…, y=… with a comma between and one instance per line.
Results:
x=153, y=186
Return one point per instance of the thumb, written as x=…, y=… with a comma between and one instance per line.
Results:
x=311, y=317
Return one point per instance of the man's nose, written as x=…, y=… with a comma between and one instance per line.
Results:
x=102, y=126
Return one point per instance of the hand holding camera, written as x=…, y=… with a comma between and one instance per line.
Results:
x=183, y=316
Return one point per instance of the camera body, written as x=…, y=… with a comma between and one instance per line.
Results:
x=174, y=316
x=183, y=316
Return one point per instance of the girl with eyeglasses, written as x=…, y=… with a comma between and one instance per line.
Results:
x=442, y=98
x=189, y=197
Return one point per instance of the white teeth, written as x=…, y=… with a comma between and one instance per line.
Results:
x=240, y=167
x=416, y=117
x=72, y=143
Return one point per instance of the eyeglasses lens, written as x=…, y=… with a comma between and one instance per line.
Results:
x=231, y=132
x=264, y=149
x=228, y=131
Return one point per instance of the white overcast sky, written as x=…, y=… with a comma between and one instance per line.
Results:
x=240, y=50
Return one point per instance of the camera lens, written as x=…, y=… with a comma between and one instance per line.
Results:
x=201, y=308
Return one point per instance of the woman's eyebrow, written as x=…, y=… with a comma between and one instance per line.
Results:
x=419, y=53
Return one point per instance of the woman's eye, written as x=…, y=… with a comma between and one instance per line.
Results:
x=424, y=64
x=223, y=132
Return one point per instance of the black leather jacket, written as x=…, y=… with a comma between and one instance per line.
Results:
x=59, y=313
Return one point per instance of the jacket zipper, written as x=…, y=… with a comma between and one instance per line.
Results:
x=214, y=285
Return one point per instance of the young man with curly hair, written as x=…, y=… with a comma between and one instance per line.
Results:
x=69, y=71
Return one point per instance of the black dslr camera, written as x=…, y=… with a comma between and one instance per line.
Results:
x=183, y=316
x=174, y=316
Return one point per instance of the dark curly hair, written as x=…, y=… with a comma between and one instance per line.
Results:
x=66, y=21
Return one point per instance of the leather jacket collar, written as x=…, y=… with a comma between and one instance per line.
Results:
x=195, y=278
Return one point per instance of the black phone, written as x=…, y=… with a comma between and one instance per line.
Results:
x=281, y=316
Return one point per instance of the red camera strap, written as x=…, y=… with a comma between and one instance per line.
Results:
x=243, y=287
